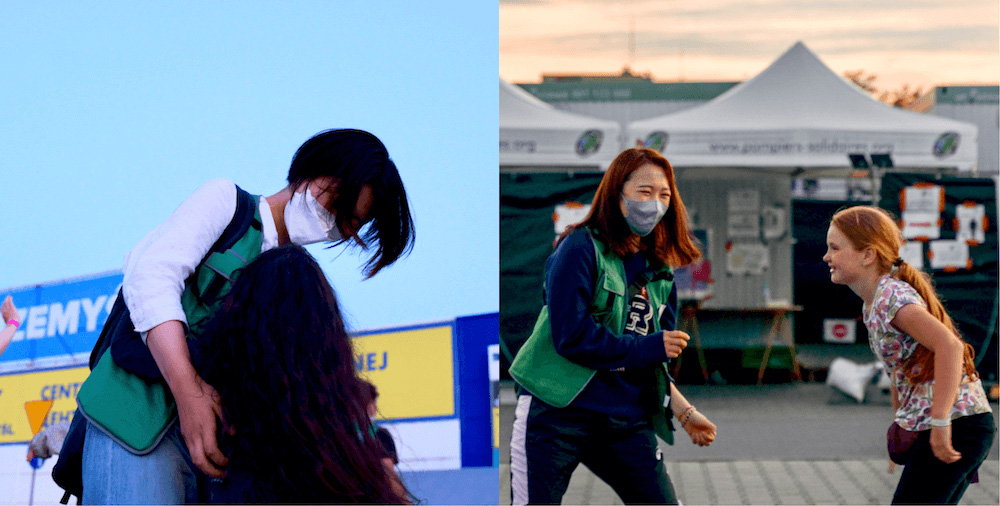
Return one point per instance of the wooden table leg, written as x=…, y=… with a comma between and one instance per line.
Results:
x=779, y=325
x=772, y=331
x=689, y=323
x=787, y=331
x=696, y=337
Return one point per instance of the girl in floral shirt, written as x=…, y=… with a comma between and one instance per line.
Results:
x=936, y=393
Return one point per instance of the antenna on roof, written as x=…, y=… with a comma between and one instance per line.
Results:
x=631, y=42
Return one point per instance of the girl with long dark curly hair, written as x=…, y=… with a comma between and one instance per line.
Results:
x=943, y=427
x=296, y=425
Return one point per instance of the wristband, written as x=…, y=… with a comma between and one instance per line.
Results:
x=940, y=422
x=14, y=322
x=684, y=419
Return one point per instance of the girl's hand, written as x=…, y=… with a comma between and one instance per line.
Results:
x=7, y=310
x=701, y=430
x=941, y=445
x=675, y=341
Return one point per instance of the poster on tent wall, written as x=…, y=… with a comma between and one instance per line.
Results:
x=920, y=206
x=971, y=223
x=913, y=253
x=744, y=213
x=533, y=207
x=747, y=258
x=568, y=213
x=694, y=281
x=962, y=258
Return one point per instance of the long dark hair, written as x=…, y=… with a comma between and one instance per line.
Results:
x=356, y=158
x=670, y=241
x=281, y=360
x=873, y=227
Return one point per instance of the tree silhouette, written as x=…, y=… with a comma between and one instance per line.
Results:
x=901, y=97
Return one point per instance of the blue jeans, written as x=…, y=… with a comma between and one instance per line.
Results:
x=113, y=475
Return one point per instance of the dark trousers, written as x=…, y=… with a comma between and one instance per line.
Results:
x=927, y=480
x=548, y=443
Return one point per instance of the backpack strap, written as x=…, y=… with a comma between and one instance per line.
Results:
x=129, y=349
x=242, y=220
x=220, y=257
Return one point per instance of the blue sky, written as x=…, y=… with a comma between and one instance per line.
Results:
x=113, y=112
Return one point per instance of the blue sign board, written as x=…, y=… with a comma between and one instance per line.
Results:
x=60, y=322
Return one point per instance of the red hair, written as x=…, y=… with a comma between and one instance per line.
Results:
x=669, y=243
x=872, y=227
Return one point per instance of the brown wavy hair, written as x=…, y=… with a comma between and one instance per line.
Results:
x=669, y=243
x=867, y=226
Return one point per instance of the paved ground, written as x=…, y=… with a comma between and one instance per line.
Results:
x=800, y=443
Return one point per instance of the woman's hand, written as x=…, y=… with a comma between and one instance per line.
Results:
x=701, y=430
x=198, y=410
x=198, y=404
x=941, y=445
x=7, y=310
x=675, y=341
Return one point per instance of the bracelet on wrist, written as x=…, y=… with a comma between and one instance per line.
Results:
x=940, y=422
x=685, y=415
x=14, y=322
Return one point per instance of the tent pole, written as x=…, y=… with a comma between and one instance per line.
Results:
x=876, y=184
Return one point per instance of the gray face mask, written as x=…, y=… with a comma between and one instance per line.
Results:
x=643, y=216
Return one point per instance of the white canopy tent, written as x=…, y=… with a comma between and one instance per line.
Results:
x=798, y=113
x=535, y=135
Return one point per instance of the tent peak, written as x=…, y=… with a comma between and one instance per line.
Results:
x=799, y=112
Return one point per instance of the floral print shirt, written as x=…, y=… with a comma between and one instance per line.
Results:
x=894, y=347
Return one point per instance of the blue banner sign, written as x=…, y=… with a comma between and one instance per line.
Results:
x=60, y=322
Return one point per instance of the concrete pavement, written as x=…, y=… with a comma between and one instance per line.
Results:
x=800, y=443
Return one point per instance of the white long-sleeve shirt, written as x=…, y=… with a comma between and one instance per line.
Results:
x=156, y=268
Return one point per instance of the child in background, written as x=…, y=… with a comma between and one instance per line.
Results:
x=390, y=457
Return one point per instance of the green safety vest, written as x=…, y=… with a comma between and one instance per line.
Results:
x=556, y=380
x=136, y=412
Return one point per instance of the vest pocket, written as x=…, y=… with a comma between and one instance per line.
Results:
x=608, y=292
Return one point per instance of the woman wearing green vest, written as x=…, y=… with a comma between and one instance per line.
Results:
x=594, y=385
x=342, y=188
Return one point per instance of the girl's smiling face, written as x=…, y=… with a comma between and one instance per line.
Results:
x=845, y=261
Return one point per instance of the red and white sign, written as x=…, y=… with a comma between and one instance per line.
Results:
x=921, y=226
x=841, y=331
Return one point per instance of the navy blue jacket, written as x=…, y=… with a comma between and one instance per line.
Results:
x=570, y=276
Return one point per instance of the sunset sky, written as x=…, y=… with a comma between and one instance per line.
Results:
x=922, y=43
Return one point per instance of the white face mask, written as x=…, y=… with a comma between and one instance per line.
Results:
x=307, y=221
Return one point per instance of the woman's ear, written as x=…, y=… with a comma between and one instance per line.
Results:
x=330, y=188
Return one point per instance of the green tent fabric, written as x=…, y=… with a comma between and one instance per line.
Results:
x=527, y=202
x=970, y=296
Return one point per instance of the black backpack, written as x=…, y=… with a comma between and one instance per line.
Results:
x=131, y=354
